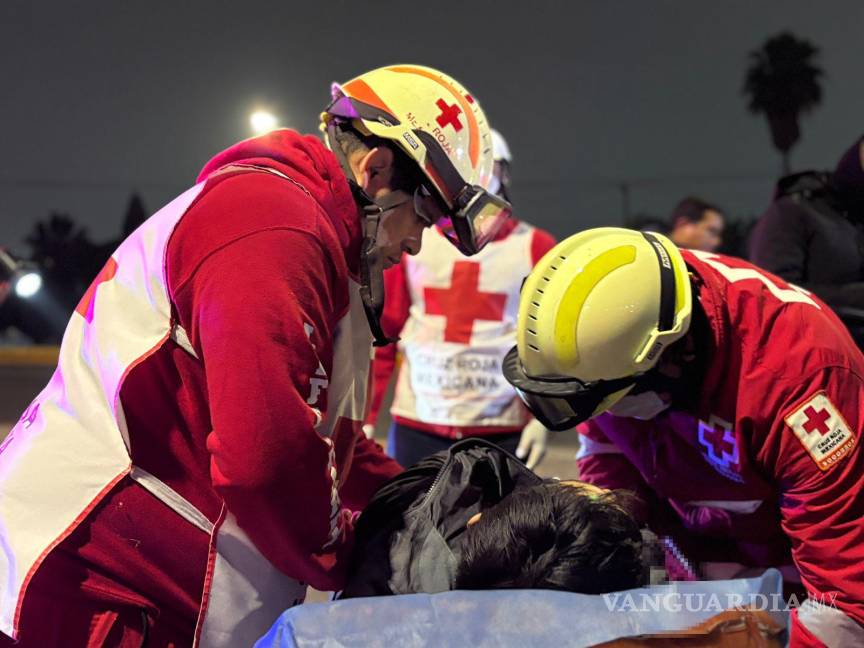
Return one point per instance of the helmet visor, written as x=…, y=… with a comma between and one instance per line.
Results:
x=559, y=402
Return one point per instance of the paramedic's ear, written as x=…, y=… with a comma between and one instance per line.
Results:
x=474, y=519
x=375, y=171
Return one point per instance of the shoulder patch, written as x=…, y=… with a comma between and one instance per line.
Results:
x=822, y=430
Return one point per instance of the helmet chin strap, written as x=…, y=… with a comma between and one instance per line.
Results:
x=372, y=261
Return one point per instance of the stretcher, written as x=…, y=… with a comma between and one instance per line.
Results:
x=742, y=612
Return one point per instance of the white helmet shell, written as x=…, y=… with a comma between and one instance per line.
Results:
x=412, y=99
x=500, y=149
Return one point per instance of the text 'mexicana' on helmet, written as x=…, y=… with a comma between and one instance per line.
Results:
x=593, y=307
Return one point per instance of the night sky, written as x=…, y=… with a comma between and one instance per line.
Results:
x=102, y=98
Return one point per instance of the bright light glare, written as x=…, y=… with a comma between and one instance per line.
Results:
x=28, y=285
x=262, y=121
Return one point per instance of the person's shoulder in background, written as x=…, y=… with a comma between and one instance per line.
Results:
x=541, y=242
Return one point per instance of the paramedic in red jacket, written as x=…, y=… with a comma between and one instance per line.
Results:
x=197, y=457
x=456, y=319
x=730, y=400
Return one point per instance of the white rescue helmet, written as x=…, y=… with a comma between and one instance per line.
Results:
x=500, y=148
x=439, y=125
x=500, y=181
x=595, y=314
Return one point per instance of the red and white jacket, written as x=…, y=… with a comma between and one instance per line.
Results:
x=198, y=451
x=456, y=317
x=766, y=468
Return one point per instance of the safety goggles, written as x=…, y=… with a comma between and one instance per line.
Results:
x=560, y=402
x=472, y=226
x=473, y=216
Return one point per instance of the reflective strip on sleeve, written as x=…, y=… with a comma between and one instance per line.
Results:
x=745, y=506
x=588, y=447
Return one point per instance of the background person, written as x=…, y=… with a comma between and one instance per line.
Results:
x=813, y=235
x=697, y=225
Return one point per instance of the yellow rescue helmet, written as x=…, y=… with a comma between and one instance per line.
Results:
x=596, y=312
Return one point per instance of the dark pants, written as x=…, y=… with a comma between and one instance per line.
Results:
x=409, y=445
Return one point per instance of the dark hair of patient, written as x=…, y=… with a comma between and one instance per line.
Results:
x=553, y=536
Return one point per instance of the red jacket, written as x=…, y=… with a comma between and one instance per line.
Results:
x=258, y=278
x=766, y=464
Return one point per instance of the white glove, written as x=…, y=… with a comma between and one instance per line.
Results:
x=532, y=443
x=369, y=430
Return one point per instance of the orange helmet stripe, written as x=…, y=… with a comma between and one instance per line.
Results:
x=359, y=89
x=473, y=130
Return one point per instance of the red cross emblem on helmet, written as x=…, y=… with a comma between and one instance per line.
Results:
x=449, y=115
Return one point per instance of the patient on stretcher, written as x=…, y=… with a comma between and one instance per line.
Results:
x=475, y=517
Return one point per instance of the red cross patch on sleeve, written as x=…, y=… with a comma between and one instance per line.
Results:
x=822, y=430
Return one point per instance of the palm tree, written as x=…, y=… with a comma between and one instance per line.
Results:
x=783, y=82
x=68, y=258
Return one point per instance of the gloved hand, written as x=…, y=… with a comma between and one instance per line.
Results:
x=368, y=430
x=532, y=443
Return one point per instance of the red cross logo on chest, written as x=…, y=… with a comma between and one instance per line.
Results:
x=715, y=441
x=449, y=115
x=463, y=303
x=816, y=421
x=718, y=438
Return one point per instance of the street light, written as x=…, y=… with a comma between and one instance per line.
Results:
x=28, y=284
x=262, y=121
x=24, y=277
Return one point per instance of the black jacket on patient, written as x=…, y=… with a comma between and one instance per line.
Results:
x=414, y=537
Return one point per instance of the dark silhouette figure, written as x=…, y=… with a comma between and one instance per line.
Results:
x=783, y=82
x=812, y=235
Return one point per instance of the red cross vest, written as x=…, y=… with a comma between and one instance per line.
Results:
x=72, y=446
x=462, y=321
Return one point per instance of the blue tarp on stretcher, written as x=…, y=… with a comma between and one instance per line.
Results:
x=517, y=617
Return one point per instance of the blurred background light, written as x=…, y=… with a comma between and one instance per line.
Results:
x=262, y=121
x=28, y=284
